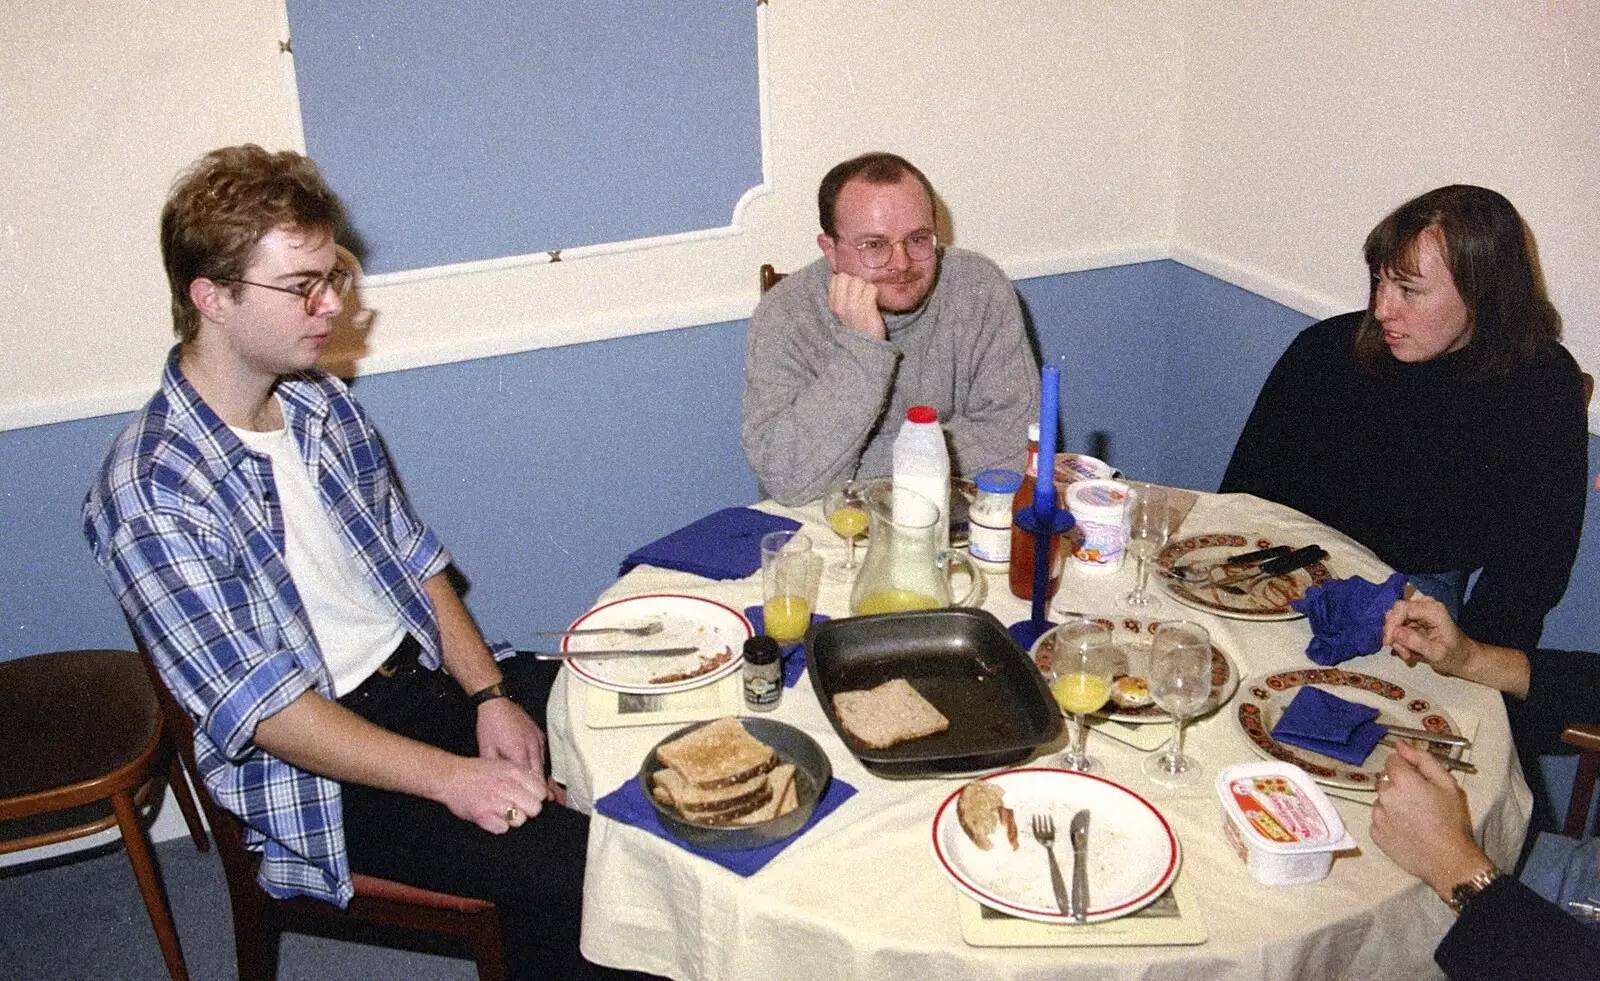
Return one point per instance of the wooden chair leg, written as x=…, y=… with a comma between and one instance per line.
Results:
x=1582, y=790
x=255, y=938
x=149, y=879
x=179, y=782
x=483, y=937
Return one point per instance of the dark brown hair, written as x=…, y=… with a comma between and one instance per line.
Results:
x=1490, y=254
x=223, y=205
x=874, y=168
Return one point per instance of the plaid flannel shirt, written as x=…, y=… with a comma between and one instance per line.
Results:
x=186, y=523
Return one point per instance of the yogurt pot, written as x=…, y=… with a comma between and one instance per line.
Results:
x=1073, y=467
x=1280, y=822
x=1100, y=540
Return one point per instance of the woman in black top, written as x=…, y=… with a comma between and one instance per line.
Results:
x=1444, y=427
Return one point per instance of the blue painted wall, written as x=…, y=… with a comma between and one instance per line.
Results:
x=542, y=470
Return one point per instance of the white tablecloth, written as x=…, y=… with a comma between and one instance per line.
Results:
x=861, y=897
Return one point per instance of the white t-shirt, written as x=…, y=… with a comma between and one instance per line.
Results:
x=355, y=628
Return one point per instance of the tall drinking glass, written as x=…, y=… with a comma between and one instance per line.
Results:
x=1081, y=668
x=1149, y=511
x=1180, y=682
x=790, y=571
x=846, y=512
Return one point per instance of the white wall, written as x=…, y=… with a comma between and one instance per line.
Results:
x=1256, y=140
x=1303, y=123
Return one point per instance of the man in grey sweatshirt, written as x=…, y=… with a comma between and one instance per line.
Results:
x=885, y=320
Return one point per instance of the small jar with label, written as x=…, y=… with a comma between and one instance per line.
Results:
x=989, y=519
x=763, y=673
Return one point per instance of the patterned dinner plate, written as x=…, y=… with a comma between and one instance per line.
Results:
x=1132, y=638
x=1262, y=702
x=1265, y=599
x=717, y=632
x=1133, y=852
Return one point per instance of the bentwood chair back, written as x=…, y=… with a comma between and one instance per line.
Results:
x=258, y=918
x=83, y=741
x=1587, y=739
x=770, y=277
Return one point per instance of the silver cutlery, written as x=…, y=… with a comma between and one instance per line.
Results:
x=653, y=627
x=1441, y=738
x=594, y=655
x=1199, y=575
x=1079, y=831
x=1044, y=832
x=1460, y=766
x=1281, y=566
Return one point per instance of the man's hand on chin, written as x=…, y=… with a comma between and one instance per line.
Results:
x=855, y=302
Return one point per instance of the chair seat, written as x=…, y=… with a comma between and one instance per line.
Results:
x=71, y=716
x=399, y=892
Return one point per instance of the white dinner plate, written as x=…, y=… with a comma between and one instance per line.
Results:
x=718, y=631
x=1133, y=852
x=1132, y=637
x=1267, y=599
x=1262, y=702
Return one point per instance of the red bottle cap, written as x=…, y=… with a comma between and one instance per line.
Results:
x=922, y=414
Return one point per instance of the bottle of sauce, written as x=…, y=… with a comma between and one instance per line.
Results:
x=1021, y=540
x=763, y=673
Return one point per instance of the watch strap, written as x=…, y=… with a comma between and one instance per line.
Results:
x=489, y=694
x=1465, y=892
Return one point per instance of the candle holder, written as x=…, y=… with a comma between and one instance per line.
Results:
x=1045, y=525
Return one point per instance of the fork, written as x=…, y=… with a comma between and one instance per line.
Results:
x=653, y=627
x=1044, y=832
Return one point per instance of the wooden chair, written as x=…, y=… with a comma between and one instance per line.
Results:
x=1587, y=739
x=770, y=277
x=258, y=918
x=82, y=737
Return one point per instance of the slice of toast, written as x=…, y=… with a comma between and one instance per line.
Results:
x=719, y=754
x=784, y=798
x=691, y=800
x=981, y=810
x=894, y=712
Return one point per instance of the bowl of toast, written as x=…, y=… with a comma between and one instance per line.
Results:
x=732, y=784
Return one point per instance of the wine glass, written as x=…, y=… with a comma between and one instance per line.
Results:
x=846, y=511
x=1148, y=516
x=1180, y=682
x=1081, y=667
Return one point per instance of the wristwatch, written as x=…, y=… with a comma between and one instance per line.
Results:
x=488, y=694
x=1465, y=892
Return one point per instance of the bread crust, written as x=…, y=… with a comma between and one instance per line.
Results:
x=718, y=755
x=892, y=713
x=981, y=810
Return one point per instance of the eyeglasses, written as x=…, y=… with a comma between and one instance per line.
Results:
x=875, y=253
x=313, y=291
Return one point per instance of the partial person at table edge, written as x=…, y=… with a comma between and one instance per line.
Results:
x=886, y=319
x=346, y=707
x=1444, y=427
x=1421, y=820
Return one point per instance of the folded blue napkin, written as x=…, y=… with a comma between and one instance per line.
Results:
x=794, y=655
x=627, y=804
x=1329, y=725
x=723, y=545
x=1346, y=616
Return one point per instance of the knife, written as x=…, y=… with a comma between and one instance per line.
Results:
x=1298, y=559
x=1459, y=766
x=1080, y=866
x=595, y=655
x=1441, y=738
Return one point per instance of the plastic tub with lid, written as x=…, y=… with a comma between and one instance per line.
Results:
x=1280, y=822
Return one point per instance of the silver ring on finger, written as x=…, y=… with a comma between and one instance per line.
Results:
x=512, y=815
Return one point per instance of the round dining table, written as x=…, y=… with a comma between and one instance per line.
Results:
x=861, y=895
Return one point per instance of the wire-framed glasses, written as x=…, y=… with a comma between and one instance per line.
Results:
x=876, y=252
x=313, y=291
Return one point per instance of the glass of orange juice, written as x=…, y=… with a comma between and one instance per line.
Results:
x=1082, y=663
x=790, y=575
x=846, y=512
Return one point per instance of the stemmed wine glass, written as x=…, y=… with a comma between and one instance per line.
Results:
x=1180, y=682
x=1081, y=668
x=1148, y=516
x=846, y=511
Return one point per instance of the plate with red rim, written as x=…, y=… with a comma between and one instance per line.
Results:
x=1265, y=599
x=1262, y=702
x=717, y=631
x=1132, y=637
x=1133, y=851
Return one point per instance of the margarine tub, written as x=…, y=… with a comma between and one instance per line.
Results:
x=1280, y=822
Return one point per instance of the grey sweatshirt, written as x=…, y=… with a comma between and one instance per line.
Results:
x=818, y=396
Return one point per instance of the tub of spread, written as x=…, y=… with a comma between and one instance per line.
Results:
x=1281, y=823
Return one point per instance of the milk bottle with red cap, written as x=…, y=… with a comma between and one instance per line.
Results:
x=922, y=463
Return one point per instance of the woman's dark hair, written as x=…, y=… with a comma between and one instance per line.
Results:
x=1491, y=258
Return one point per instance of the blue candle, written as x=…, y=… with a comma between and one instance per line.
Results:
x=1044, y=489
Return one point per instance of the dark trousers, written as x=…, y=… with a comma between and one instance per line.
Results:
x=533, y=874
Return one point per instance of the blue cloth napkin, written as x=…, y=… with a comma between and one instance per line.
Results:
x=1329, y=725
x=627, y=804
x=723, y=545
x=1346, y=616
x=794, y=655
